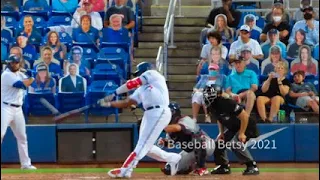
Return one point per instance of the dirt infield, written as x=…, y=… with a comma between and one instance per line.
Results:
x=157, y=175
x=237, y=176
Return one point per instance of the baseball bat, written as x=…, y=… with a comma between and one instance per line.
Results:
x=49, y=106
x=68, y=114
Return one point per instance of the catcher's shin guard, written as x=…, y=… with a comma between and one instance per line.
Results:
x=200, y=151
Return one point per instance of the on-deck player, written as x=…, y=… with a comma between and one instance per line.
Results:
x=152, y=92
x=13, y=85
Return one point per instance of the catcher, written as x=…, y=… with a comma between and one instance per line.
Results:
x=196, y=145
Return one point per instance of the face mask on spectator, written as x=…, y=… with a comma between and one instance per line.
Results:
x=213, y=73
x=119, y=7
x=277, y=18
x=307, y=16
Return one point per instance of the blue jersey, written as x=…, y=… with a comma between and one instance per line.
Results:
x=35, y=36
x=29, y=53
x=54, y=69
x=36, y=5
x=90, y=37
x=43, y=87
x=6, y=36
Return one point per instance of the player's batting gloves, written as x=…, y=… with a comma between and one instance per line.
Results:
x=110, y=97
x=103, y=103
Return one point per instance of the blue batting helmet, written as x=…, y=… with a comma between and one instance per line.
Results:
x=175, y=112
x=13, y=58
x=142, y=67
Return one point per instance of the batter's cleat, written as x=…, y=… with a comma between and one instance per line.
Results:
x=119, y=173
x=251, y=170
x=29, y=167
x=208, y=119
x=221, y=169
x=201, y=171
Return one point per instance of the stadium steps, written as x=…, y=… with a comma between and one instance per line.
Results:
x=179, y=21
x=180, y=29
x=173, y=61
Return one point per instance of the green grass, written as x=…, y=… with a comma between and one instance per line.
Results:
x=146, y=170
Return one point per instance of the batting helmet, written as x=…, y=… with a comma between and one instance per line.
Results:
x=210, y=93
x=175, y=111
x=142, y=67
x=13, y=58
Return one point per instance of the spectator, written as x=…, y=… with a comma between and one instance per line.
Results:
x=221, y=26
x=233, y=16
x=43, y=82
x=277, y=4
x=279, y=24
x=268, y=65
x=274, y=89
x=245, y=39
x=273, y=39
x=242, y=84
x=59, y=49
x=76, y=58
x=29, y=51
x=298, y=15
x=305, y=62
x=65, y=5
x=10, y=5
x=255, y=31
x=97, y=5
x=305, y=94
x=17, y=51
x=215, y=58
x=73, y=82
x=251, y=63
x=85, y=33
x=214, y=77
x=115, y=32
x=309, y=25
x=34, y=37
x=6, y=33
x=47, y=59
x=315, y=54
x=293, y=49
x=86, y=9
x=36, y=5
x=4, y=52
x=128, y=21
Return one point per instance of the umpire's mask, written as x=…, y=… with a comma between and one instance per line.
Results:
x=210, y=93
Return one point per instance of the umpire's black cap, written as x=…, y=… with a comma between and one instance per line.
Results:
x=13, y=58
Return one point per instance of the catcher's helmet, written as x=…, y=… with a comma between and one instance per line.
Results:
x=142, y=67
x=210, y=93
x=175, y=111
x=13, y=58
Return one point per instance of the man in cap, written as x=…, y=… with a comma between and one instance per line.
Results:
x=255, y=32
x=309, y=25
x=298, y=15
x=13, y=86
x=273, y=39
x=29, y=51
x=251, y=63
x=245, y=39
x=242, y=84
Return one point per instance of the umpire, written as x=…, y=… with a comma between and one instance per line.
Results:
x=239, y=129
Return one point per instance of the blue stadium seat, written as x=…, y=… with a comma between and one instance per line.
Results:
x=243, y=14
x=108, y=72
x=111, y=36
x=59, y=18
x=69, y=101
x=313, y=79
x=96, y=91
x=89, y=50
x=11, y=22
x=316, y=52
x=116, y=53
x=39, y=23
x=117, y=61
x=14, y=14
x=34, y=107
x=44, y=14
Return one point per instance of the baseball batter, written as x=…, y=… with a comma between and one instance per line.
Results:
x=152, y=92
x=195, y=144
x=13, y=85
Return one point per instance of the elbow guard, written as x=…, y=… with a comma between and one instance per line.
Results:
x=19, y=85
x=134, y=83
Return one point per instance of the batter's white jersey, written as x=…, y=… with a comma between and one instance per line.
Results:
x=153, y=92
x=10, y=94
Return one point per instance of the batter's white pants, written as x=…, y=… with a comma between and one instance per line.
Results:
x=153, y=123
x=13, y=117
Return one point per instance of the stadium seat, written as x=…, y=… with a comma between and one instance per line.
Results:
x=108, y=72
x=111, y=36
x=39, y=23
x=59, y=18
x=313, y=79
x=89, y=50
x=96, y=91
x=64, y=37
x=69, y=101
x=11, y=22
x=14, y=14
x=43, y=14
x=34, y=107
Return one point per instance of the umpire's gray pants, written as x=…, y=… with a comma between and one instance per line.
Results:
x=220, y=154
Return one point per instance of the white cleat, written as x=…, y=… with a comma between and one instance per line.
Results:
x=174, y=167
x=29, y=167
x=120, y=173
